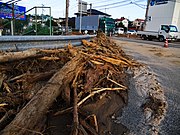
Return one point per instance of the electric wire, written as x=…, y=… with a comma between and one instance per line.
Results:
x=101, y=1
x=111, y=4
x=125, y=4
x=139, y=5
x=116, y=6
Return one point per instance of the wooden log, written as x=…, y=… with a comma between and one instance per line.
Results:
x=12, y=56
x=27, y=119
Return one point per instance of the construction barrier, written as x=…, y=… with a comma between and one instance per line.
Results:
x=166, y=43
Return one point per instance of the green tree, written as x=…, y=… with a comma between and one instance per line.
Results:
x=53, y=23
x=43, y=30
x=29, y=31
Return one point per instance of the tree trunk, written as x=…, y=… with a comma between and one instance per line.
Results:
x=32, y=114
x=11, y=56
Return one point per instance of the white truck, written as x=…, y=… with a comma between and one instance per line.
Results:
x=169, y=32
x=162, y=20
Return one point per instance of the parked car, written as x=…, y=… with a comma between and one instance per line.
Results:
x=133, y=32
x=119, y=31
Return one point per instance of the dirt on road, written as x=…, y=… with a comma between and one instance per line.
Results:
x=164, y=63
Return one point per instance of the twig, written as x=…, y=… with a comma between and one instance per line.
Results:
x=75, y=108
x=83, y=130
x=49, y=58
x=96, y=62
x=116, y=82
x=64, y=111
x=34, y=76
x=95, y=121
x=52, y=51
x=6, y=118
x=107, y=59
x=88, y=127
x=7, y=87
x=18, y=77
x=32, y=131
x=1, y=79
x=98, y=91
x=3, y=104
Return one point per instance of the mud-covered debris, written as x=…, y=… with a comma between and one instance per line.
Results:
x=64, y=81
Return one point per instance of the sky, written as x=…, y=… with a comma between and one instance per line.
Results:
x=131, y=9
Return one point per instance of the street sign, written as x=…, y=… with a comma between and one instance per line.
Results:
x=6, y=11
x=158, y=2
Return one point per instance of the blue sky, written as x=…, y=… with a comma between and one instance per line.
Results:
x=130, y=9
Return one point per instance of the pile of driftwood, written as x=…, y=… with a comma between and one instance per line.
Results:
x=32, y=81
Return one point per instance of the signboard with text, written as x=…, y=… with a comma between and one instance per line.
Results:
x=6, y=11
x=158, y=2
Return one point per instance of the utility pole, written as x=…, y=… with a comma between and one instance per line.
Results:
x=67, y=15
x=80, y=18
x=1, y=27
x=146, y=14
x=12, y=20
x=42, y=15
x=90, y=8
x=50, y=22
x=36, y=20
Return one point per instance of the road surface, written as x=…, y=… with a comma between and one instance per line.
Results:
x=165, y=63
x=154, y=42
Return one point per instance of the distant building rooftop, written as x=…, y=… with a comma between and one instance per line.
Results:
x=97, y=12
x=93, y=12
x=140, y=20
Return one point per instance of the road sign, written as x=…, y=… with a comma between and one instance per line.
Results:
x=6, y=11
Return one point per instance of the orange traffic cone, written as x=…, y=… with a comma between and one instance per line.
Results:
x=166, y=43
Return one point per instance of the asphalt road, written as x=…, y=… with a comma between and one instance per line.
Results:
x=154, y=42
x=165, y=63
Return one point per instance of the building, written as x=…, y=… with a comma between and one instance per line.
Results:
x=122, y=20
x=138, y=24
x=90, y=12
x=162, y=12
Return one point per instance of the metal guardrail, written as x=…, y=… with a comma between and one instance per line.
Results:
x=19, y=43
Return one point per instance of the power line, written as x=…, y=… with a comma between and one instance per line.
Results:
x=111, y=4
x=100, y=1
x=138, y=5
x=116, y=6
x=125, y=5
